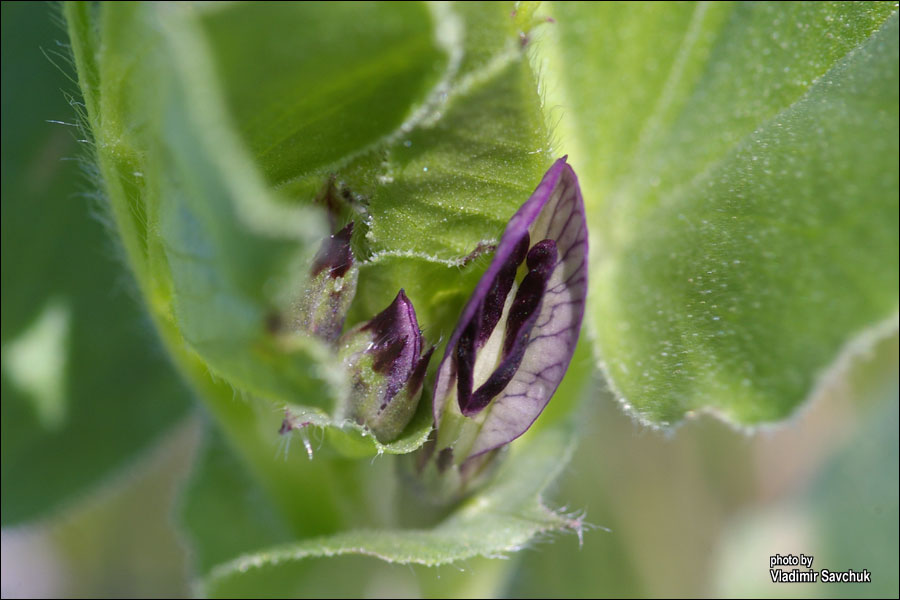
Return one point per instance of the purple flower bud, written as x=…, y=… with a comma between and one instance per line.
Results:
x=387, y=369
x=332, y=286
x=517, y=333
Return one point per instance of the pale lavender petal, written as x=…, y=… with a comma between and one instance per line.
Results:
x=540, y=340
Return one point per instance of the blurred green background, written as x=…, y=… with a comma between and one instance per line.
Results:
x=695, y=512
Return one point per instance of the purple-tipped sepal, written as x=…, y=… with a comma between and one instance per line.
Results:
x=517, y=333
x=387, y=368
x=331, y=288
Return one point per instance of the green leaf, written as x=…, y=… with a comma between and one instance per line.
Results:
x=353, y=440
x=310, y=84
x=869, y=541
x=739, y=163
x=500, y=519
x=85, y=386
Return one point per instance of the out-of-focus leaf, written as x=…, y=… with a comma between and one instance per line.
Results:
x=500, y=519
x=122, y=540
x=856, y=506
x=85, y=387
x=309, y=84
x=845, y=515
x=221, y=490
x=739, y=163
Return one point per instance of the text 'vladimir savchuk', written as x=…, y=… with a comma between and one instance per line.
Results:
x=804, y=573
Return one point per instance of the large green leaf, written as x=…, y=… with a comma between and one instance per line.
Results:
x=85, y=386
x=739, y=162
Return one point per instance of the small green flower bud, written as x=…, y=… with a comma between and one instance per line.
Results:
x=332, y=286
x=383, y=359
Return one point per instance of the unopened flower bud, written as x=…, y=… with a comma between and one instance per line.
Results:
x=332, y=285
x=387, y=369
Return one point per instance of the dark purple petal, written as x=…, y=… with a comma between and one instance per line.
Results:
x=414, y=384
x=542, y=324
x=387, y=356
x=492, y=309
x=396, y=342
x=335, y=254
x=541, y=262
x=465, y=361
